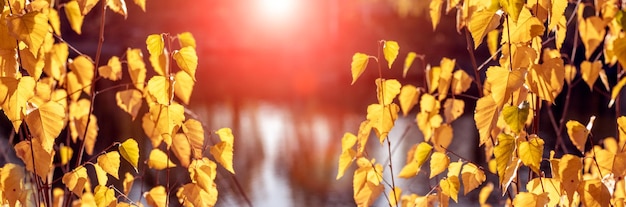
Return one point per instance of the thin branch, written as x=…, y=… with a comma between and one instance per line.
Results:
x=470, y=50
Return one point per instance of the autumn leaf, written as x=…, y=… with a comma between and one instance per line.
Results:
x=428, y=118
x=223, y=151
x=186, y=39
x=443, y=137
x=551, y=186
x=202, y=172
x=390, y=51
x=347, y=153
x=182, y=149
x=74, y=16
x=118, y=6
x=65, y=153
x=156, y=197
x=358, y=65
x=445, y=77
x=592, y=31
x=14, y=94
x=408, y=98
x=394, y=196
x=194, y=132
x=594, y=193
x=32, y=63
x=167, y=120
x=45, y=123
x=578, y=134
x=87, y=127
x=158, y=160
x=408, y=61
x=493, y=42
x=160, y=87
x=504, y=82
x=453, y=109
x=382, y=118
x=485, y=117
x=86, y=6
x=101, y=175
x=522, y=31
x=435, y=12
x=55, y=61
x=37, y=159
x=481, y=23
x=129, y=150
x=83, y=67
x=472, y=177
x=110, y=163
x=129, y=101
x=112, y=70
x=484, y=193
x=387, y=90
x=136, y=67
x=183, y=86
x=416, y=160
x=127, y=183
x=531, y=153
x=187, y=60
x=12, y=183
x=438, y=163
x=76, y=180
x=141, y=3
x=461, y=82
x=192, y=194
x=515, y=116
x=366, y=182
x=590, y=72
x=504, y=153
x=104, y=196
x=8, y=63
x=531, y=199
x=30, y=28
x=450, y=186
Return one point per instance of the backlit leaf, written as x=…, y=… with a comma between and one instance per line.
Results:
x=118, y=6
x=428, y=118
x=74, y=16
x=443, y=137
x=523, y=30
x=461, y=82
x=531, y=199
x=46, y=123
x=484, y=193
x=167, y=120
x=616, y=90
x=504, y=82
x=513, y=8
x=493, y=42
x=136, y=67
x=65, y=153
x=570, y=73
x=14, y=94
x=551, y=186
x=56, y=60
x=76, y=179
x=141, y=3
x=453, y=109
x=347, y=153
x=187, y=60
x=394, y=196
x=223, y=151
x=12, y=182
x=186, y=39
x=89, y=137
x=104, y=196
x=366, y=182
x=192, y=194
x=577, y=134
x=8, y=63
x=183, y=86
x=390, y=51
x=382, y=118
x=450, y=186
x=485, y=117
x=30, y=28
x=128, y=182
x=432, y=79
x=86, y=6
x=156, y=197
x=202, y=172
x=182, y=149
x=129, y=101
x=129, y=150
x=569, y=172
x=546, y=79
x=481, y=23
x=83, y=67
x=504, y=153
x=110, y=162
x=32, y=63
x=387, y=90
x=410, y=57
x=516, y=116
x=592, y=32
x=531, y=153
x=358, y=65
x=472, y=177
x=435, y=12
x=510, y=174
x=590, y=72
x=158, y=160
x=438, y=163
x=408, y=98
x=113, y=69
x=421, y=153
x=445, y=77
x=155, y=44
x=30, y=152
x=594, y=193
x=101, y=175
x=160, y=87
x=195, y=133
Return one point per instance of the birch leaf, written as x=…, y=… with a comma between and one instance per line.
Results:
x=358, y=65
x=390, y=51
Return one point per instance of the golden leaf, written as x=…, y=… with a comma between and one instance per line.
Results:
x=592, y=32
x=472, y=177
x=408, y=98
x=450, y=186
x=30, y=28
x=481, y=23
x=570, y=73
x=366, y=182
x=504, y=82
x=432, y=78
x=83, y=67
x=46, y=123
x=110, y=163
x=387, y=90
x=531, y=153
x=195, y=134
x=128, y=182
x=8, y=63
x=167, y=120
x=101, y=175
x=594, y=193
x=56, y=61
x=76, y=180
x=183, y=86
x=187, y=60
x=202, y=172
x=113, y=69
x=160, y=87
x=547, y=79
x=104, y=196
x=55, y=21
x=394, y=196
x=590, y=72
x=141, y=3
x=515, y=116
x=390, y=51
x=531, y=199
x=443, y=137
x=382, y=118
x=155, y=44
x=435, y=12
x=568, y=171
x=223, y=151
x=439, y=162
x=129, y=150
x=453, y=109
x=186, y=39
x=130, y=101
x=504, y=153
x=37, y=159
x=32, y=63
x=408, y=62
x=182, y=149
x=484, y=193
x=14, y=94
x=551, y=186
x=445, y=77
x=416, y=160
x=510, y=174
x=358, y=65
x=578, y=134
x=136, y=67
x=118, y=6
x=158, y=160
x=192, y=194
x=461, y=82
x=522, y=31
x=86, y=6
x=156, y=197
x=485, y=117
x=89, y=137
x=493, y=42
x=428, y=118
x=12, y=183
x=65, y=153
x=347, y=153
x=74, y=16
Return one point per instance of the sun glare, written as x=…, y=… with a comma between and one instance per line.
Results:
x=276, y=10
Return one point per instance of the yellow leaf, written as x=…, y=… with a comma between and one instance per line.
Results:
x=347, y=153
x=187, y=60
x=57, y=195
x=56, y=61
x=568, y=171
x=443, y=137
x=128, y=182
x=390, y=51
x=394, y=196
x=616, y=90
x=461, y=82
x=136, y=67
x=182, y=149
x=167, y=120
x=195, y=134
x=594, y=193
x=472, y=177
x=101, y=175
x=55, y=21
x=358, y=65
x=155, y=44
x=366, y=182
x=416, y=160
x=428, y=118
x=86, y=6
x=432, y=79
x=30, y=152
x=158, y=160
x=183, y=86
x=193, y=195
x=387, y=90
x=74, y=16
x=110, y=162
x=561, y=32
x=113, y=69
x=547, y=79
x=513, y=8
x=91, y=132
x=30, y=28
x=12, y=183
x=408, y=98
x=408, y=62
x=531, y=199
x=485, y=117
x=450, y=186
x=484, y=193
x=83, y=67
x=104, y=196
x=439, y=162
x=76, y=180
x=186, y=39
x=522, y=31
x=149, y=127
x=223, y=151
x=161, y=89
x=481, y=23
x=130, y=101
x=46, y=123
x=202, y=172
x=592, y=31
x=15, y=93
x=435, y=12
x=590, y=72
x=453, y=109
x=156, y=197
x=515, y=116
x=8, y=63
x=73, y=86
x=531, y=153
x=493, y=42
x=504, y=82
x=577, y=134
x=382, y=118
x=32, y=63
x=504, y=153
x=570, y=73
x=557, y=12
x=365, y=128
x=118, y=6
x=65, y=153
x=551, y=186
x=141, y=3
x=510, y=174
x=445, y=77
x=129, y=150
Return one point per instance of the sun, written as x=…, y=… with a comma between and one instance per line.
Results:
x=276, y=10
